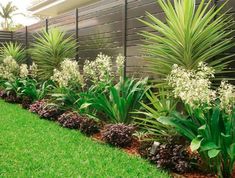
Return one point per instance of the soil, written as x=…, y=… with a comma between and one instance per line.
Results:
x=193, y=175
x=98, y=137
x=133, y=149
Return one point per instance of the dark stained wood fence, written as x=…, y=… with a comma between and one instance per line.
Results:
x=108, y=26
x=5, y=36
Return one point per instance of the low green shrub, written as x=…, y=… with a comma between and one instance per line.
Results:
x=121, y=100
x=161, y=104
x=172, y=155
x=70, y=120
x=89, y=126
x=37, y=106
x=49, y=112
x=118, y=134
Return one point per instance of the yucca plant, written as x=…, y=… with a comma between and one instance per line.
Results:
x=50, y=49
x=15, y=50
x=122, y=100
x=191, y=34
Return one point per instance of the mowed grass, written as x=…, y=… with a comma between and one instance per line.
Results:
x=32, y=147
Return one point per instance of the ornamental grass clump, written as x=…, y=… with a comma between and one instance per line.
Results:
x=156, y=105
x=122, y=100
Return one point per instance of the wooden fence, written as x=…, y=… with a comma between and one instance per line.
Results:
x=5, y=36
x=108, y=26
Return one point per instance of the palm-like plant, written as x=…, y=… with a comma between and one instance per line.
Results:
x=50, y=49
x=189, y=36
x=7, y=12
x=15, y=50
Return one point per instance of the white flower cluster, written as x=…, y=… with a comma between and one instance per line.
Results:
x=98, y=70
x=33, y=70
x=120, y=64
x=9, y=68
x=24, y=72
x=226, y=94
x=68, y=74
x=192, y=86
x=205, y=71
x=101, y=68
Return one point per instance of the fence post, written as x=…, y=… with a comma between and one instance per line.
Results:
x=125, y=34
x=77, y=41
x=46, y=25
x=26, y=44
x=26, y=37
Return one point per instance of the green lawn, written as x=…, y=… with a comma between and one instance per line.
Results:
x=32, y=147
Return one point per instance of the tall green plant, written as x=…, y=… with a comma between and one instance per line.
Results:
x=147, y=117
x=64, y=98
x=34, y=90
x=122, y=100
x=212, y=133
x=50, y=49
x=190, y=35
x=15, y=50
